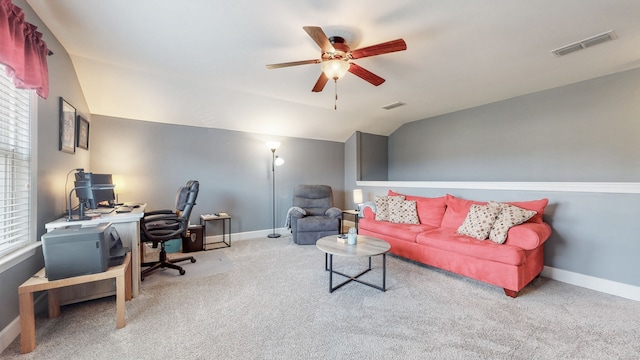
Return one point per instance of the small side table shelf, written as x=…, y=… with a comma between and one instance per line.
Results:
x=226, y=231
x=354, y=213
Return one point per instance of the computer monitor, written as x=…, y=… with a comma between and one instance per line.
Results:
x=94, y=189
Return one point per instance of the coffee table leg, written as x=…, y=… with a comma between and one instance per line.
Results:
x=384, y=271
x=330, y=273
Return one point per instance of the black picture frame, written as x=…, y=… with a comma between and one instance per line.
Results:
x=67, y=127
x=82, y=134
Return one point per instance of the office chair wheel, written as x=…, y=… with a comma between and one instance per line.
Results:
x=193, y=260
x=182, y=272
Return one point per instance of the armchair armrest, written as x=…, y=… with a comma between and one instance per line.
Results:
x=334, y=212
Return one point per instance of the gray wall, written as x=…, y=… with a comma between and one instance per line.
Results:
x=373, y=154
x=233, y=168
x=585, y=132
x=53, y=165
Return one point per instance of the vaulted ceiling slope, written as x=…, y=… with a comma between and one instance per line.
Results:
x=202, y=62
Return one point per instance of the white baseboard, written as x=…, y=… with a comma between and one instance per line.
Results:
x=9, y=333
x=12, y=331
x=248, y=235
x=606, y=286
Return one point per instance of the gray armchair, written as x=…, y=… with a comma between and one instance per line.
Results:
x=313, y=215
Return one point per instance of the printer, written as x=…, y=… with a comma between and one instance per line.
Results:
x=80, y=250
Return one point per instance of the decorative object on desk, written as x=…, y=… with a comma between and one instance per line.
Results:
x=352, y=237
x=358, y=198
x=67, y=127
x=83, y=133
x=118, y=186
x=275, y=161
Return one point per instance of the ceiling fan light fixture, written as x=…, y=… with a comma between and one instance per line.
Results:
x=335, y=69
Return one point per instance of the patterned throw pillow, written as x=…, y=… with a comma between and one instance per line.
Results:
x=403, y=212
x=479, y=221
x=509, y=216
x=382, y=206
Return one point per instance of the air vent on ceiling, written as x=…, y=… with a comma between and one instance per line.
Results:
x=393, y=105
x=583, y=44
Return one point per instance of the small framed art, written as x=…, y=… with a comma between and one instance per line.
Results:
x=83, y=133
x=67, y=127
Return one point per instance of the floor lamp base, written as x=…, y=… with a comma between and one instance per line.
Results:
x=274, y=235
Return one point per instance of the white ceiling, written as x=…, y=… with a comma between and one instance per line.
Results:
x=202, y=62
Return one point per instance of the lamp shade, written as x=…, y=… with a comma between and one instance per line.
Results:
x=335, y=69
x=357, y=196
x=278, y=161
x=273, y=145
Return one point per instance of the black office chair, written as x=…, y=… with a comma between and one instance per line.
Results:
x=163, y=225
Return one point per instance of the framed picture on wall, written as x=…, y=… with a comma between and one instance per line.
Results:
x=67, y=127
x=83, y=133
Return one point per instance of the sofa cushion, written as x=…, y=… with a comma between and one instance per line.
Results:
x=403, y=212
x=449, y=240
x=509, y=216
x=382, y=206
x=405, y=232
x=480, y=220
x=430, y=210
x=456, y=211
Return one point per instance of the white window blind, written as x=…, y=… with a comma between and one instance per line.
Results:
x=15, y=166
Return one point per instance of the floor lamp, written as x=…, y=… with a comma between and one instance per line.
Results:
x=275, y=161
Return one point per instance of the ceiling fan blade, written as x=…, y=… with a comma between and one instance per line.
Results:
x=293, y=63
x=379, y=49
x=322, y=81
x=365, y=74
x=319, y=37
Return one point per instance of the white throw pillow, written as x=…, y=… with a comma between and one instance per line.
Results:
x=479, y=221
x=509, y=217
x=403, y=212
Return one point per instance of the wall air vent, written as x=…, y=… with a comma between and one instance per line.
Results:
x=583, y=44
x=393, y=105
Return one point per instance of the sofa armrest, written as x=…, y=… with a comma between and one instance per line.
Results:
x=368, y=210
x=528, y=236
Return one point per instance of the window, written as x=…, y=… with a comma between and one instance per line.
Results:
x=16, y=198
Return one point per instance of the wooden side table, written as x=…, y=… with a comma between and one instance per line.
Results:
x=226, y=234
x=38, y=282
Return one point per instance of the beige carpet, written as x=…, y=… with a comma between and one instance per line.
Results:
x=272, y=302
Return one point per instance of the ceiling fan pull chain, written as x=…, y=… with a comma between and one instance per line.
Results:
x=335, y=103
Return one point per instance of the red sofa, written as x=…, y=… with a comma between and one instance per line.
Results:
x=436, y=242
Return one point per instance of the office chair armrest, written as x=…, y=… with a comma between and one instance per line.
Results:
x=168, y=229
x=159, y=212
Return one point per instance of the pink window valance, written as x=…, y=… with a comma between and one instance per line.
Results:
x=22, y=50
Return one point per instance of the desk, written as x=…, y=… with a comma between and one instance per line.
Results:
x=128, y=227
x=121, y=273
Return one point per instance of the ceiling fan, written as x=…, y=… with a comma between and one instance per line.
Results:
x=336, y=58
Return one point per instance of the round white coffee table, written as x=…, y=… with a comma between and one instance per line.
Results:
x=365, y=246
